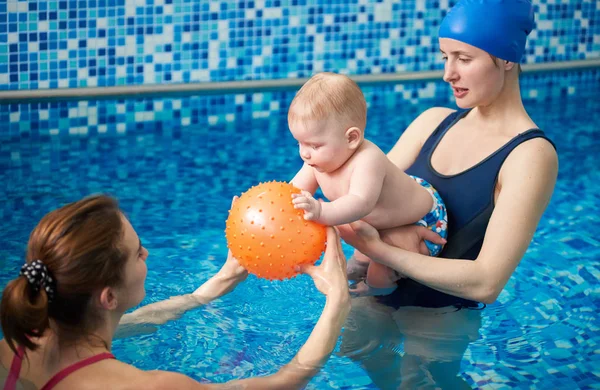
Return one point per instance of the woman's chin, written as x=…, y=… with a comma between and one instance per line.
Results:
x=463, y=104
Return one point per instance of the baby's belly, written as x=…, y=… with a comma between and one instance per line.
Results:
x=384, y=219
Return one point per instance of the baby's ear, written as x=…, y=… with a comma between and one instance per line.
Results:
x=354, y=137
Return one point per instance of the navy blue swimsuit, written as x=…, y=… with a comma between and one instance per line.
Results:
x=469, y=199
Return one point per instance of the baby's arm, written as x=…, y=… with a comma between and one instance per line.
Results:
x=366, y=183
x=305, y=180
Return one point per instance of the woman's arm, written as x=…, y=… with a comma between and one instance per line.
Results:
x=527, y=181
x=223, y=282
x=311, y=357
x=330, y=279
x=294, y=375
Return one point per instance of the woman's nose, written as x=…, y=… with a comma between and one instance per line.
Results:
x=450, y=72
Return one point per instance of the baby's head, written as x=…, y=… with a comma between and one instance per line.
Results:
x=328, y=117
x=329, y=96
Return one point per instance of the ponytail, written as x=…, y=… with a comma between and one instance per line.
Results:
x=23, y=314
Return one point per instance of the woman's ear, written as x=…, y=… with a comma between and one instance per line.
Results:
x=108, y=298
x=354, y=137
x=508, y=65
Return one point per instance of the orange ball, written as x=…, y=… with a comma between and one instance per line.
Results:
x=268, y=236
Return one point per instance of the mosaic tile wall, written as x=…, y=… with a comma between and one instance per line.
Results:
x=48, y=120
x=87, y=43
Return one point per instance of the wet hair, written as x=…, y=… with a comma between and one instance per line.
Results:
x=327, y=93
x=81, y=244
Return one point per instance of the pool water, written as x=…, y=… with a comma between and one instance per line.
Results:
x=175, y=184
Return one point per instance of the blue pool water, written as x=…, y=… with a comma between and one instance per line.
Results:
x=175, y=183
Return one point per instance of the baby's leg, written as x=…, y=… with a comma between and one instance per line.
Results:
x=380, y=281
x=380, y=276
x=357, y=265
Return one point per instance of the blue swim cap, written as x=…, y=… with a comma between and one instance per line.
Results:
x=499, y=27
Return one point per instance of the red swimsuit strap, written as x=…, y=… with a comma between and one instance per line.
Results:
x=74, y=367
x=15, y=370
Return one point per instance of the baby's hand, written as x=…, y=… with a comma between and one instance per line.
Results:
x=306, y=202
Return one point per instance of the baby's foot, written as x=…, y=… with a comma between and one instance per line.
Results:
x=356, y=270
x=362, y=289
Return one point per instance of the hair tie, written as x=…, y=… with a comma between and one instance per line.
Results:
x=38, y=276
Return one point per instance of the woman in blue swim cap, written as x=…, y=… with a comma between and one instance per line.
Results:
x=495, y=170
x=477, y=31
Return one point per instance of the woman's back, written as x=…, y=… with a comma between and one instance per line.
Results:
x=81, y=369
x=6, y=360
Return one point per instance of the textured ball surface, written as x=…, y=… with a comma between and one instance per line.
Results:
x=268, y=236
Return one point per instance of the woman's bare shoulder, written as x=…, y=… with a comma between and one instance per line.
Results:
x=110, y=374
x=6, y=354
x=155, y=380
x=433, y=116
x=423, y=125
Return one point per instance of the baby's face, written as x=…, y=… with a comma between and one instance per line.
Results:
x=322, y=143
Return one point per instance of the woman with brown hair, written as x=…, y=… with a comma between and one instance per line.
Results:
x=85, y=267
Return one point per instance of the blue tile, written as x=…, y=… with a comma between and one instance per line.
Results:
x=566, y=33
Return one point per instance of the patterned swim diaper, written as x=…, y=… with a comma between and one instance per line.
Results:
x=436, y=219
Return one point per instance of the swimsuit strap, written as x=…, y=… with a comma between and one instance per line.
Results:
x=74, y=367
x=15, y=370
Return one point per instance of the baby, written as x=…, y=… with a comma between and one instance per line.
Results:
x=328, y=117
